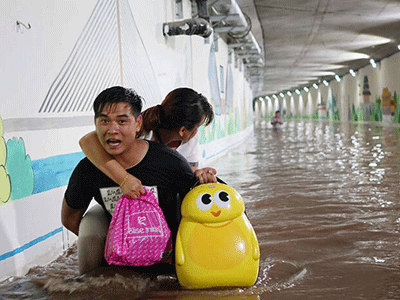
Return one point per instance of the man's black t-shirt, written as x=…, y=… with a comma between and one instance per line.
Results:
x=163, y=170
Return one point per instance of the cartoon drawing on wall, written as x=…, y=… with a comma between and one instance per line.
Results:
x=397, y=110
x=321, y=109
x=213, y=80
x=207, y=133
x=19, y=168
x=332, y=109
x=86, y=72
x=378, y=110
x=222, y=90
x=229, y=89
x=229, y=96
x=365, y=91
x=16, y=173
x=352, y=113
x=368, y=106
x=388, y=106
x=5, y=184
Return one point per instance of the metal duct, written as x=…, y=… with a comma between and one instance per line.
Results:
x=228, y=17
x=231, y=24
x=196, y=26
x=202, y=9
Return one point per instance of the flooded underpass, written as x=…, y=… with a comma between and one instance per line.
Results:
x=324, y=200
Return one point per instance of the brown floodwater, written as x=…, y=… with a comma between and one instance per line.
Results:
x=324, y=200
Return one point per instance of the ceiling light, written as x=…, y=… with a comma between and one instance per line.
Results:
x=289, y=93
x=306, y=89
x=267, y=98
x=315, y=86
x=373, y=63
x=261, y=99
x=282, y=94
x=297, y=91
x=337, y=77
x=326, y=83
x=352, y=72
x=275, y=96
x=398, y=47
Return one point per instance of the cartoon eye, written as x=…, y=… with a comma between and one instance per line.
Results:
x=204, y=201
x=222, y=199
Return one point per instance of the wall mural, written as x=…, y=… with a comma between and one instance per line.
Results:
x=229, y=90
x=332, y=112
x=16, y=173
x=99, y=59
x=19, y=167
x=94, y=63
x=368, y=107
x=5, y=183
x=21, y=177
x=213, y=80
x=229, y=119
x=385, y=109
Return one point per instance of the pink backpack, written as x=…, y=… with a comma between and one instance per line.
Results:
x=138, y=234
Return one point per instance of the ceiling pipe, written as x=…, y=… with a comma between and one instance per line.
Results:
x=202, y=9
x=229, y=21
x=196, y=26
x=228, y=16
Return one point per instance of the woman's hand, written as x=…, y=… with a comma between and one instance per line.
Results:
x=132, y=187
x=206, y=175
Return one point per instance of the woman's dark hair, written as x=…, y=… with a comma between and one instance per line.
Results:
x=181, y=107
x=117, y=94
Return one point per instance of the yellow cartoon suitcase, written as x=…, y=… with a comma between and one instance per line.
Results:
x=216, y=245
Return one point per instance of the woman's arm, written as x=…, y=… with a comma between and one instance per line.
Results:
x=205, y=175
x=94, y=151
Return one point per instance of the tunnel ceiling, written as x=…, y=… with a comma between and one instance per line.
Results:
x=306, y=41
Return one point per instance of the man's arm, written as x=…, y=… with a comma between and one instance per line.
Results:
x=71, y=218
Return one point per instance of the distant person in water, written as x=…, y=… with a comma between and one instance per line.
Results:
x=276, y=121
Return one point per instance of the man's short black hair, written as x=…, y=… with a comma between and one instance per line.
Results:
x=117, y=94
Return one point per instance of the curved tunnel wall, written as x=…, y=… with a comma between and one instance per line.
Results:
x=370, y=96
